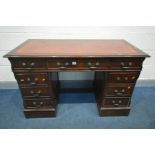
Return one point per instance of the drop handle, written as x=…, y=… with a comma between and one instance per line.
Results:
x=66, y=63
x=126, y=78
x=123, y=67
x=34, y=103
x=118, y=78
x=22, y=80
x=39, y=92
x=122, y=64
x=97, y=64
x=116, y=104
x=62, y=67
x=35, y=95
x=32, y=64
x=28, y=79
x=32, y=83
x=92, y=67
x=40, y=104
x=130, y=63
x=119, y=93
x=23, y=64
x=126, y=66
x=89, y=64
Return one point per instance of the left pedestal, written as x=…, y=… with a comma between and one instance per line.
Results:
x=38, y=87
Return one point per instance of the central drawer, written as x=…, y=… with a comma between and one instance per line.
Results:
x=39, y=91
x=95, y=63
x=80, y=64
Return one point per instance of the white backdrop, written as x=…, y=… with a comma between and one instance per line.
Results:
x=141, y=37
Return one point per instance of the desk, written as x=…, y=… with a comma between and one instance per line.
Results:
x=37, y=62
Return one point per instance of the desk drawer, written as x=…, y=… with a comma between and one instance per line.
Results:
x=125, y=63
x=32, y=79
x=31, y=63
x=38, y=91
x=126, y=77
x=120, y=90
x=39, y=103
x=115, y=102
x=81, y=64
x=95, y=63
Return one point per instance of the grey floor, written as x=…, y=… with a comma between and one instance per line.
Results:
x=78, y=110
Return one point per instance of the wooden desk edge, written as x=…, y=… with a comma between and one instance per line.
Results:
x=13, y=55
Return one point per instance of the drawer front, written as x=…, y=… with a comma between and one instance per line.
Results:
x=35, y=91
x=126, y=64
x=126, y=77
x=119, y=90
x=90, y=64
x=30, y=63
x=95, y=63
x=115, y=102
x=39, y=103
x=32, y=79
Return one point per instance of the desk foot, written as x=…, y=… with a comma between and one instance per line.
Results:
x=40, y=113
x=114, y=111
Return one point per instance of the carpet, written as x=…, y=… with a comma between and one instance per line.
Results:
x=79, y=111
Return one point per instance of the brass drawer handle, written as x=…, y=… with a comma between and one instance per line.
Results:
x=133, y=77
x=66, y=63
x=36, y=79
x=97, y=64
x=62, y=67
x=22, y=80
x=116, y=104
x=130, y=63
x=122, y=64
x=43, y=79
x=37, y=105
x=40, y=104
x=123, y=90
x=120, y=101
x=32, y=83
x=126, y=78
x=28, y=79
x=34, y=103
x=126, y=67
x=32, y=64
x=113, y=101
x=58, y=63
x=39, y=91
x=118, y=78
x=31, y=92
x=92, y=67
x=89, y=63
x=119, y=94
x=115, y=90
x=23, y=64
x=35, y=95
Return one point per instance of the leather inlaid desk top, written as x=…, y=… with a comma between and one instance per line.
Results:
x=76, y=48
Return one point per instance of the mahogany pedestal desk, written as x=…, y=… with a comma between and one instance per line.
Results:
x=37, y=62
